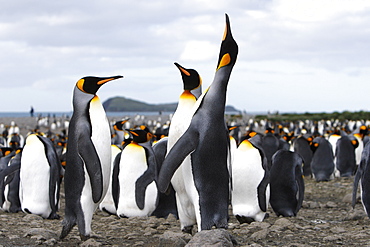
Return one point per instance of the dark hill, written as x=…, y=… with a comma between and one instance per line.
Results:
x=122, y=104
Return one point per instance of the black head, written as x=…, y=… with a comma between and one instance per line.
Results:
x=190, y=77
x=119, y=124
x=229, y=48
x=91, y=84
x=140, y=135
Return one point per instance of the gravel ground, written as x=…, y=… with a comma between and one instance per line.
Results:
x=326, y=219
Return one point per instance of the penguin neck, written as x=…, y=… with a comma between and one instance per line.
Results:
x=216, y=93
x=187, y=96
x=197, y=92
x=81, y=102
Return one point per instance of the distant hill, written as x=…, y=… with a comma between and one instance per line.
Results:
x=122, y=104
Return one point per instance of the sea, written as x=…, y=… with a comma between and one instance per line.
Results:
x=109, y=114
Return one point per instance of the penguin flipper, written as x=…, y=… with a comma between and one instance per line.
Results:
x=355, y=184
x=300, y=184
x=147, y=178
x=261, y=191
x=160, y=150
x=92, y=162
x=186, y=144
x=115, y=181
x=54, y=176
x=140, y=188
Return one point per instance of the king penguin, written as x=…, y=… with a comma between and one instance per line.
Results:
x=302, y=146
x=345, y=157
x=9, y=183
x=40, y=177
x=322, y=163
x=206, y=140
x=88, y=156
x=286, y=183
x=136, y=198
x=191, y=82
x=362, y=177
x=251, y=192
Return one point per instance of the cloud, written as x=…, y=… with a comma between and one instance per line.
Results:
x=287, y=48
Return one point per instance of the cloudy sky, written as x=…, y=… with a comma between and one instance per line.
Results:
x=294, y=55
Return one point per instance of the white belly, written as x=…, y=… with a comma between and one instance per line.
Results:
x=101, y=137
x=34, y=178
x=247, y=173
x=133, y=164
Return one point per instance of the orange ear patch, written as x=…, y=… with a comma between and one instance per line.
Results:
x=80, y=84
x=225, y=60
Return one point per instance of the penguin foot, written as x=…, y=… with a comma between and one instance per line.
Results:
x=67, y=227
x=91, y=235
x=267, y=215
x=244, y=219
x=54, y=216
x=14, y=209
x=84, y=237
x=187, y=229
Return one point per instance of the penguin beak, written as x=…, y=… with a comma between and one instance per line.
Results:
x=106, y=79
x=182, y=69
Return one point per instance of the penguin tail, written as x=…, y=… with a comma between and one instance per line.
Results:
x=67, y=227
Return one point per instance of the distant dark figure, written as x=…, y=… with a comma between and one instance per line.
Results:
x=31, y=111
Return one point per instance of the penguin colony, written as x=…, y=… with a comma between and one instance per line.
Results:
x=196, y=166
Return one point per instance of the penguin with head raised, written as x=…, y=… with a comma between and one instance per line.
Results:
x=40, y=179
x=88, y=156
x=286, y=183
x=206, y=140
x=250, y=183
